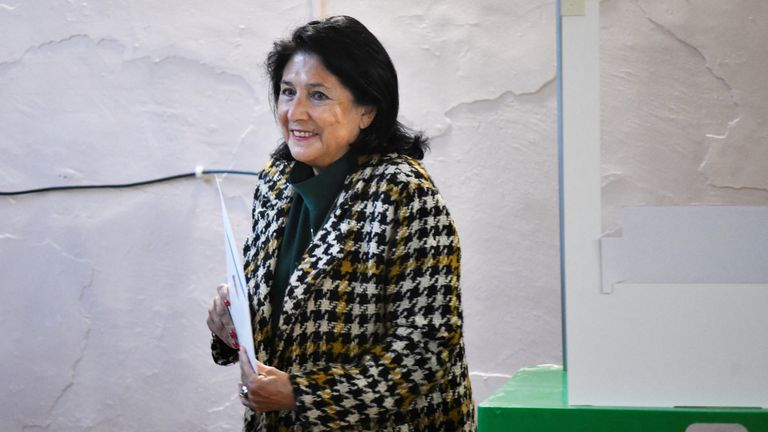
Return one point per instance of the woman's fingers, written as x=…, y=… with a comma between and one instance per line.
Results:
x=269, y=393
x=219, y=321
x=233, y=338
x=268, y=390
x=223, y=291
x=214, y=324
x=219, y=307
x=222, y=310
x=221, y=304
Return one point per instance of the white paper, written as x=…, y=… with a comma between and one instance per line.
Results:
x=238, y=290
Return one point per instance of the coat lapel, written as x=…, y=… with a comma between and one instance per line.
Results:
x=327, y=247
x=269, y=221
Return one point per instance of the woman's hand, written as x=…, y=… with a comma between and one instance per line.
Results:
x=268, y=390
x=219, y=320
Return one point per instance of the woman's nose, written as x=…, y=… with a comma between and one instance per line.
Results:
x=297, y=110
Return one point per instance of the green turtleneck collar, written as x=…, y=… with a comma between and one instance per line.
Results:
x=314, y=197
x=319, y=191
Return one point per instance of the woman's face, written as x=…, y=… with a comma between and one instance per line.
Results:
x=318, y=115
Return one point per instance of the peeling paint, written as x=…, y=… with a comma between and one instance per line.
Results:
x=83, y=347
x=679, y=116
x=740, y=188
x=44, y=45
x=694, y=48
x=547, y=85
x=40, y=311
x=151, y=101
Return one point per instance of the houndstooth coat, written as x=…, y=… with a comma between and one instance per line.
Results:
x=371, y=330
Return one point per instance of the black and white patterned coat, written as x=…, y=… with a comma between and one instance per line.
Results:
x=371, y=330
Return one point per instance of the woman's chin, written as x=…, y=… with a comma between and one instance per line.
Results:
x=300, y=153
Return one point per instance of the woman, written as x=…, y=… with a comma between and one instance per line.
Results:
x=353, y=264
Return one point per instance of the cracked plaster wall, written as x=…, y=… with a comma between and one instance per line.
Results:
x=684, y=103
x=104, y=293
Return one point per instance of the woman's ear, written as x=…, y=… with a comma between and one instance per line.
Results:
x=367, y=116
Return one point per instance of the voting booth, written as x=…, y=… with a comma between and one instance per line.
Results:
x=665, y=323
x=673, y=311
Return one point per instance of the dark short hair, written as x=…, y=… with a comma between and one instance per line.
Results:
x=358, y=60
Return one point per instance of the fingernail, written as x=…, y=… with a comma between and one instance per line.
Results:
x=237, y=346
x=227, y=303
x=232, y=334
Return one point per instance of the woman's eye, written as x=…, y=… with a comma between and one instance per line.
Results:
x=318, y=96
x=287, y=91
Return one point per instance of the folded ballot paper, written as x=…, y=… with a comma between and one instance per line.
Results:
x=238, y=291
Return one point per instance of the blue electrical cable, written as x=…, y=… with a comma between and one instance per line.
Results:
x=125, y=185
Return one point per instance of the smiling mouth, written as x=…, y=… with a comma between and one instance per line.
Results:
x=302, y=134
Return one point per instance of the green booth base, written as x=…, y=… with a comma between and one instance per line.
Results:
x=535, y=399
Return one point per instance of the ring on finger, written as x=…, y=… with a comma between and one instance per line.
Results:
x=243, y=391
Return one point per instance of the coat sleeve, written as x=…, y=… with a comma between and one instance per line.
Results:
x=424, y=325
x=222, y=353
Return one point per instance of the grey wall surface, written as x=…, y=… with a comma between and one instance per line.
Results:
x=103, y=294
